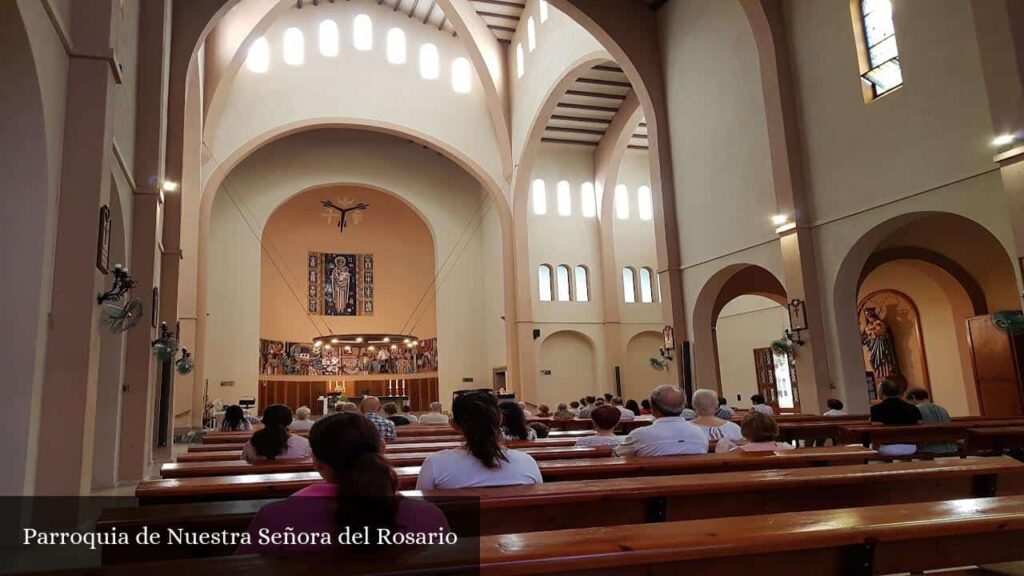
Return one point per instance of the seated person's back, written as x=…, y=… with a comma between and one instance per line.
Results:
x=273, y=441
x=481, y=461
x=605, y=419
x=391, y=413
x=235, y=420
x=759, y=431
x=670, y=434
x=705, y=403
x=931, y=414
x=434, y=416
x=513, y=423
x=301, y=423
x=894, y=411
x=757, y=403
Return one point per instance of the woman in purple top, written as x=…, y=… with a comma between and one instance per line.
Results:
x=359, y=495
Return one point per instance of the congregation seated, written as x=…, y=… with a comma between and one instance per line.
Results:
x=391, y=411
x=347, y=407
x=757, y=403
x=894, y=411
x=587, y=406
x=434, y=416
x=574, y=407
x=705, y=403
x=543, y=411
x=835, y=407
x=513, y=423
x=605, y=419
x=564, y=413
x=360, y=490
x=369, y=407
x=235, y=420
x=301, y=422
x=645, y=407
x=670, y=434
x=540, y=429
x=481, y=461
x=633, y=407
x=274, y=441
x=931, y=413
x=626, y=413
x=724, y=412
x=608, y=397
x=407, y=413
x=759, y=432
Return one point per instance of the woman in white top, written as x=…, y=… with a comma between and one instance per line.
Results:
x=759, y=432
x=605, y=419
x=481, y=461
x=705, y=404
x=273, y=441
x=835, y=408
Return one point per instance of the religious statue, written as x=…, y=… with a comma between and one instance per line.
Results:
x=877, y=338
x=340, y=280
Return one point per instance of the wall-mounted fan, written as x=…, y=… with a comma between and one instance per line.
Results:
x=120, y=318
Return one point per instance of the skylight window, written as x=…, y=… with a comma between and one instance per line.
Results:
x=884, y=72
x=430, y=64
x=588, y=201
x=621, y=202
x=645, y=203
x=258, y=58
x=396, y=46
x=362, y=33
x=329, y=38
x=540, y=198
x=543, y=11
x=294, y=47
x=531, y=34
x=462, y=76
x=520, y=65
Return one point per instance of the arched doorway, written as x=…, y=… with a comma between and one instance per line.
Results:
x=566, y=368
x=913, y=303
x=639, y=376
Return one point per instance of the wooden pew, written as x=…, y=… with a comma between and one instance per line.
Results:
x=870, y=540
x=873, y=435
x=238, y=466
x=996, y=440
x=251, y=486
x=432, y=446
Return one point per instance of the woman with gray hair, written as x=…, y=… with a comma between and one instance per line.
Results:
x=705, y=404
x=301, y=422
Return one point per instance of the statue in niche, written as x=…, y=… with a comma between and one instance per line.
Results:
x=340, y=281
x=876, y=336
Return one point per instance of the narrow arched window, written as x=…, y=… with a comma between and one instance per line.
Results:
x=564, y=198
x=543, y=11
x=362, y=33
x=564, y=293
x=430, y=62
x=588, y=201
x=629, y=284
x=531, y=34
x=644, y=203
x=540, y=197
x=329, y=38
x=544, y=283
x=520, y=65
x=395, y=46
x=294, y=47
x=258, y=58
x=462, y=76
x=582, y=284
x=646, y=285
x=621, y=202
x=879, y=56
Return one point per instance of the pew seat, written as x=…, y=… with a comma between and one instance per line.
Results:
x=995, y=440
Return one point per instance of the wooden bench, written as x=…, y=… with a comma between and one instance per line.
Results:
x=238, y=466
x=873, y=435
x=276, y=485
x=996, y=440
x=869, y=540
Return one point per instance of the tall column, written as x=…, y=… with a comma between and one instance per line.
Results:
x=64, y=462
x=137, y=404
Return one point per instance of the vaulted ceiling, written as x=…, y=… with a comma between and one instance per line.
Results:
x=586, y=109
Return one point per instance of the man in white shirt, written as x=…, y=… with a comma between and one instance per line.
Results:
x=434, y=416
x=627, y=414
x=670, y=434
x=757, y=403
x=301, y=421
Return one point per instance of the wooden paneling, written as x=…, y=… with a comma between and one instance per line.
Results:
x=295, y=392
x=997, y=363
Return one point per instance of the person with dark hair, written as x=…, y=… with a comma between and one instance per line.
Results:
x=391, y=413
x=645, y=407
x=759, y=432
x=835, y=407
x=563, y=412
x=590, y=402
x=481, y=460
x=608, y=398
x=543, y=411
x=274, y=441
x=235, y=420
x=723, y=411
x=574, y=407
x=513, y=423
x=407, y=412
x=627, y=414
x=605, y=419
x=360, y=490
x=931, y=413
x=539, y=429
x=894, y=411
x=757, y=403
x=633, y=407
x=670, y=434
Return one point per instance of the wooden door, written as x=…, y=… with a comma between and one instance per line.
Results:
x=996, y=357
x=764, y=366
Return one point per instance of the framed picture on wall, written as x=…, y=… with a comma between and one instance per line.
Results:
x=797, y=315
x=103, y=241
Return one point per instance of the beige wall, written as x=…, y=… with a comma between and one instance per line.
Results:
x=746, y=323
x=570, y=358
x=403, y=261
x=638, y=377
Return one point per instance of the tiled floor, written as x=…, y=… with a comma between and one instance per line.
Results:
x=128, y=489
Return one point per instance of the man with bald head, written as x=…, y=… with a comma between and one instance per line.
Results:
x=670, y=434
x=370, y=405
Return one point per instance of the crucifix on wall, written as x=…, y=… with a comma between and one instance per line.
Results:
x=343, y=212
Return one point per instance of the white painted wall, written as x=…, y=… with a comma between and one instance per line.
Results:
x=745, y=323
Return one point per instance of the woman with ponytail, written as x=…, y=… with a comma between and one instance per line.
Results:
x=359, y=492
x=274, y=441
x=481, y=460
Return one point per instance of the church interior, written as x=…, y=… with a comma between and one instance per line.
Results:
x=482, y=227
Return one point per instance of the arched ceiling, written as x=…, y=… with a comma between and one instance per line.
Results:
x=585, y=111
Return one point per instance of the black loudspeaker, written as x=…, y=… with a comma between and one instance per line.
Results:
x=687, y=366
x=618, y=382
x=536, y=333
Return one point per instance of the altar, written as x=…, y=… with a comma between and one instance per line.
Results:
x=418, y=390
